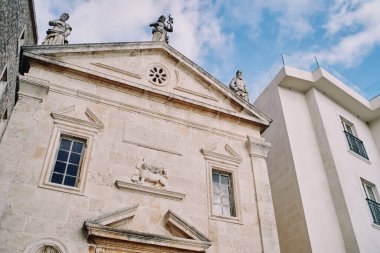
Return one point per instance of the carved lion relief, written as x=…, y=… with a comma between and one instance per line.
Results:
x=153, y=175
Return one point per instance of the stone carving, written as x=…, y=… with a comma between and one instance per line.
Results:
x=160, y=30
x=238, y=86
x=99, y=250
x=49, y=249
x=153, y=174
x=60, y=31
x=157, y=75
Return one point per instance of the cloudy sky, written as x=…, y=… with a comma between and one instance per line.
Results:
x=225, y=35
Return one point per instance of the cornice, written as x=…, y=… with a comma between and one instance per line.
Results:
x=36, y=53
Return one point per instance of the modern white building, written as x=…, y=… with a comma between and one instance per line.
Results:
x=324, y=164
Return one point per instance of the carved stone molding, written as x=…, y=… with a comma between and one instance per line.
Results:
x=146, y=189
x=33, y=88
x=117, y=218
x=93, y=122
x=125, y=72
x=47, y=244
x=184, y=237
x=230, y=157
x=180, y=228
x=258, y=147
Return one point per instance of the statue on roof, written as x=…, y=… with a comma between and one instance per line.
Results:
x=238, y=86
x=60, y=31
x=160, y=29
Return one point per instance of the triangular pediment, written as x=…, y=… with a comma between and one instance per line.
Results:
x=222, y=153
x=115, y=226
x=78, y=116
x=151, y=66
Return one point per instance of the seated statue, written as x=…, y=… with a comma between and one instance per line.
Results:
x=60, y=31
x=238, y=86
x=160, y=30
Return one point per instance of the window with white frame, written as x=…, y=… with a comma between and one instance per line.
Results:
x=348, y=127
x=68, y=161
x=223, y=197
x=222, y=184
x=372, y=198
x=68, y=155
x=355, y=144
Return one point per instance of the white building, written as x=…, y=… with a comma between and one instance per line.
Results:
x=131, y=147
x=324, y=164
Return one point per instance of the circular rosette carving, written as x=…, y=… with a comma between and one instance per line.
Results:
x=158, y=74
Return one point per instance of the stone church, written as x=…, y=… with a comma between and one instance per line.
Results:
x=131, y=147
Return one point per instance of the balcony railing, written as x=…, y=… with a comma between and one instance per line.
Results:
x=375, y=210
x=356, y=145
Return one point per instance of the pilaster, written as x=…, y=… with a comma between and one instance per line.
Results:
x=258, y=151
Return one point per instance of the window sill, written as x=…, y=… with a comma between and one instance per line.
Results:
x=227, y=219
x=61, y=188
x=359, y=156
x=150, y=190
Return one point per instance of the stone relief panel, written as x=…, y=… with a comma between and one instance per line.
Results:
x=151, y=175
x=158, y=135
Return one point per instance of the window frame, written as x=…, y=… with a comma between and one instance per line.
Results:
x=355, y=145
x=373, y=188
x=373, y=203
x=226, y=162
x=231, y=194
x=65, y=174
x=48, y=167
x=230, y=170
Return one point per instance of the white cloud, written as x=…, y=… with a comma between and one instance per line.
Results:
x=357, y=25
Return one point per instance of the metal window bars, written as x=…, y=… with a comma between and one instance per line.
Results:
x=375, y=210
x=356, y=145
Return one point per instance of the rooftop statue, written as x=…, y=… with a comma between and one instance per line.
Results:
x=238, y=86
x=160, y=30
x=60, y=31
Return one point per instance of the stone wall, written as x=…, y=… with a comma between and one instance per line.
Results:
x=17, y=28
x=124, y=124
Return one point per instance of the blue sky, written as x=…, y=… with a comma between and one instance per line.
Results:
x=225, y=35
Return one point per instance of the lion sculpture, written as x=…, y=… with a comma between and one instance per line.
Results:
x=151, y=173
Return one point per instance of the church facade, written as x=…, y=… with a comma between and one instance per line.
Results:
x=131, y=147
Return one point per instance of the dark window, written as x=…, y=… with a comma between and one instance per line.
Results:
x=4, y=77
x=373, y=204
x=68, y=161
x=356, y=145
x=223, y=202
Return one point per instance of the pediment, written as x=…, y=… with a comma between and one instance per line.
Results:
x=222, y=154
x=151, y=66
x=78, y=116
x=115, y=227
